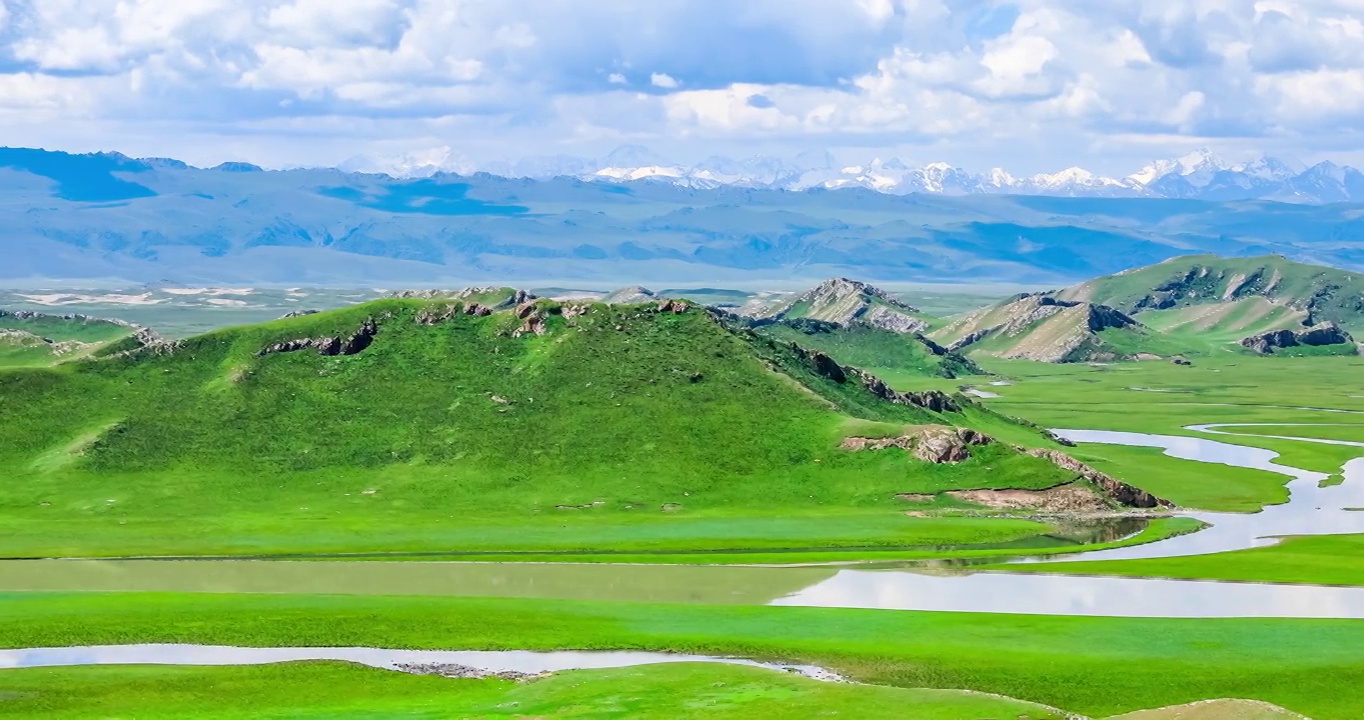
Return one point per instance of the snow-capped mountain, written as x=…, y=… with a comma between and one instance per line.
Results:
x=1198, y=175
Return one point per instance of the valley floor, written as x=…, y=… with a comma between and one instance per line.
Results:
x=1043, y=665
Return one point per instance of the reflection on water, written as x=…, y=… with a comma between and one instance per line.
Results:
x=500, y=661
x=704, y=584
x=1075, y=595
x=1312, y=510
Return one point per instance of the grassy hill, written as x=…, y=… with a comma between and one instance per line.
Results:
x=843, y=302
x=30, y=338
x=859, y=325
x=899, y=358
x=439, y=425
x=1039, y=327
x=1230, y=297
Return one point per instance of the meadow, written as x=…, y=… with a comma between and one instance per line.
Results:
x=1090, y=665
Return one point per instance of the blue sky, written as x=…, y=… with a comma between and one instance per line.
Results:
x=1031, y=85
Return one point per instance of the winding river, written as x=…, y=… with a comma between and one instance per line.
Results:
x=1312, y=509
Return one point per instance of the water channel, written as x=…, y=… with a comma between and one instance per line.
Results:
x=1312, y=510
x=514, y=662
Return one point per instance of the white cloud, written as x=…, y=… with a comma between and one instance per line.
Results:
x=1062, y=74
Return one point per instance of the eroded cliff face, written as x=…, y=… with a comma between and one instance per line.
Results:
x=1090, y=491
x=1323, y=334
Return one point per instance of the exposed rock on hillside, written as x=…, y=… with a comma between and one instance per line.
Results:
x=437, y=315
x=497, y=298
x=1323, y=334
x=846, y=302
x=144, y=341
x=1068, y=498
x=1119, y=491
x=931, y=443
x=350, y=345
x=1092, y=490
x=1036, y=327
x=822, y=364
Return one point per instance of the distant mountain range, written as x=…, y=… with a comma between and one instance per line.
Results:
x=1198, y=175
x=110, y=219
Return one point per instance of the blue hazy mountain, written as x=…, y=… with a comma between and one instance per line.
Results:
x=106, y=216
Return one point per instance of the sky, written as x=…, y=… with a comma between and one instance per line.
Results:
x=1030, y=85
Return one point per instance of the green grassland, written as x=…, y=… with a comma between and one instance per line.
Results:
x=1188, y=484
x=1163, y=398
x=1090, y=665
x=1309, y=559
x=333, y=690
x=621, y=429
x=1159, y=397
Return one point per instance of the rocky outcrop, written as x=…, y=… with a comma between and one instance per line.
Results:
x=938, y=444
x=1091, y=490
x=890, y=319
x=438, y=315
x=532, y=319
x=298, y=313
x=1068, y=498
x=496, y=298
x=1324, y=334
x=348, y=345
x=675, y=307
x=968, y=340
x=843, y=302
x=823, y=365
x=1113, y=488
x=934, y=400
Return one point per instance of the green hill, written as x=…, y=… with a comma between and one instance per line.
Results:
x=899, y=358
x=441, y=425
x=1043, y=328
x=862, y=326
x=1230, y=298
x=844, y=302
x=31, y=338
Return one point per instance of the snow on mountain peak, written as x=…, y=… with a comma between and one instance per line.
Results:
x=1200, y=173
x=1197, y=167
x=1000, y=178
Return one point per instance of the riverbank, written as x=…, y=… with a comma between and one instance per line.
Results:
x=1090, y=665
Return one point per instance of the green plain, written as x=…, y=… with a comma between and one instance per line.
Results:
x=1091, y=665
